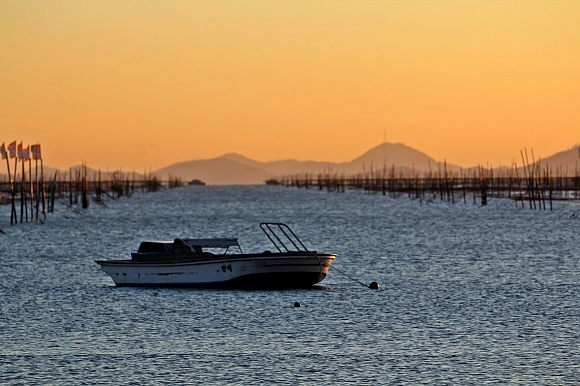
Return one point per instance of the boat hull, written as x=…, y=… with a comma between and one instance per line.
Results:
x=275, y=270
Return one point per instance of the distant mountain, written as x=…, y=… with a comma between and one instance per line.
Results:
x=218, y=171
x=242, y=160
x=235, y=169
x=281, y=166
x=567, y=161
x=387, y=155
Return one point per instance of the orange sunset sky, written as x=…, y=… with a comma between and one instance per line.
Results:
x=139, y=85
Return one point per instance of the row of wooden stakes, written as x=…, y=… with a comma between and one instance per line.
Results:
x=32, y=197
x=534, y=186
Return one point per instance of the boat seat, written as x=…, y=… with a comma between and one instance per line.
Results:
x=180, y=246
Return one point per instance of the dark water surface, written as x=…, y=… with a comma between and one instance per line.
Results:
x=469, y=295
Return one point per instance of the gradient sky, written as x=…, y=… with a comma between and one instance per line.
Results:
x=139, y=85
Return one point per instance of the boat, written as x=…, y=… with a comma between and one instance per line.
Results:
x=196, y=182
x=220, y=262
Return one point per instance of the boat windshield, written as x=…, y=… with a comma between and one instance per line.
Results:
x=216, y=246
x=152, y=247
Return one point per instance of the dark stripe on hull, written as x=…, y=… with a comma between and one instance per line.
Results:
x=254, y=281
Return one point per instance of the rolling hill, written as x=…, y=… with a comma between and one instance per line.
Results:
x=236, y=169
x=568, y=161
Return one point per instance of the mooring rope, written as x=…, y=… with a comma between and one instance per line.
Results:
x=373, y=285
x=350, y=277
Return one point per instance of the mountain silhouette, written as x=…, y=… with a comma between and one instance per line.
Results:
x=224, y=170
x=232, y=168
x=236, y=169
x=388, y=155
x=567, y=161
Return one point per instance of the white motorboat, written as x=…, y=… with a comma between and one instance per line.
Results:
x=186, y=262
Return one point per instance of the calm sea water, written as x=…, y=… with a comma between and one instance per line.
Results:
x=469, y=294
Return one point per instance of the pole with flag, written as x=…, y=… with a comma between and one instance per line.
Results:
x=34, y=151
x=40, y=192
x=22, y=204
x=26, y=155
x=12, y=154
x=4, y=154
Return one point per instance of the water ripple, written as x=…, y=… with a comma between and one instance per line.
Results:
x=469, y=295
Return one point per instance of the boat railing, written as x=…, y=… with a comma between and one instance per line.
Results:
x=283, y=237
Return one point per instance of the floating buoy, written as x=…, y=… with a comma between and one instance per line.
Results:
x=374, y=285
x=296, y=304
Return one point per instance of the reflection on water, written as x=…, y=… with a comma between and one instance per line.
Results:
x=468, y=295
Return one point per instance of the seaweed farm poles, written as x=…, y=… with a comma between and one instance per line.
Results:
x=28, y=187
x=534, y=183
x=11, y=178
x=37, y=194
x=40, y=188
x=77, y=187
x=23, y=181
x=30, y=183
x=84, y=187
